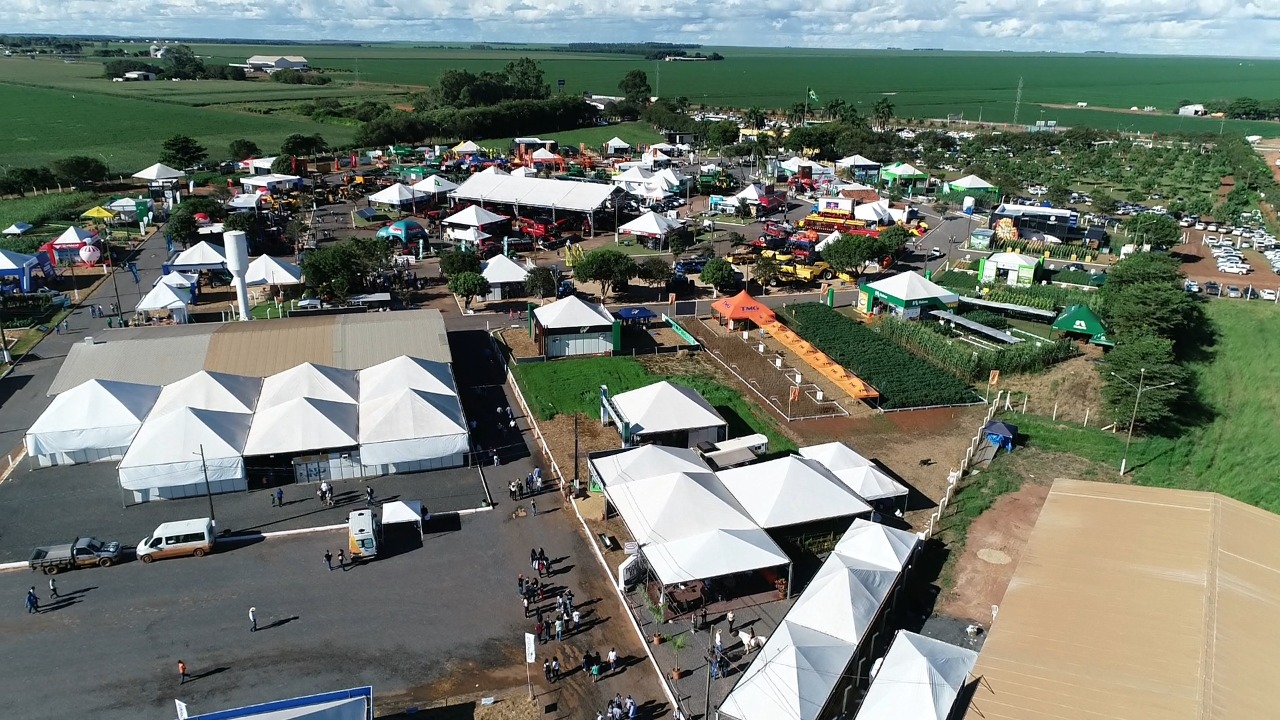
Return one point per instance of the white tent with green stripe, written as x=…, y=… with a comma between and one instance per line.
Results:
x=906, y=294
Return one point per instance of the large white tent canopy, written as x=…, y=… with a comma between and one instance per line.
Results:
x=502, y=269
x=267, y=270
x=467, y=146
x=473, y=216
x=397, y=194
x=18, y=228
x=651, y=224
x=201, y=256
x=433, y=184
x=165, y=297
x=919, y=678
x=572, y=312
x=401, y=372
x=534, y=192
x=300, y=425
x=185, y=447
x=411, y=425
x=855, y=471
x=75, y=237
x=309, y=380
x=679, y=505
x=210, y=391
x=910, y=287
x=789, y=491
x=179, y=280
x=647, y=461
x=791, y=677
x=402, y=511
x=96, y=420
x=158, y=173
x=714, y=553
x=666, y=407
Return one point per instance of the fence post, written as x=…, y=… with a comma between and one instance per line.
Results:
x=1086, y=417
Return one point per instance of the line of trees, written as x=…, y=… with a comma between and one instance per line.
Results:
x=503, y=119
x=179, y=63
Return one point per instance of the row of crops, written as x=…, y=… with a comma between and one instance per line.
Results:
x=903, y=379
x=968, y=361
x=1041, y=297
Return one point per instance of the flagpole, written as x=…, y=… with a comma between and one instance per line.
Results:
x=805, y=120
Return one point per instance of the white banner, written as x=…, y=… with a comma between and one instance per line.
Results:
x=530, y=649
x=182, y=709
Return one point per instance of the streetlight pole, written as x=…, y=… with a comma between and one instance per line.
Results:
x=1137, y=398
x=207, y=491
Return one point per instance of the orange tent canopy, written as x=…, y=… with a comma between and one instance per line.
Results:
x=742, y=307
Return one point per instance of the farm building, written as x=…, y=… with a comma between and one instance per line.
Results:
x=663, y=414
x=570, y=326
x=272, y=63
x=558, y=196
x=906, y=295
x=1136, y=602
x=139, y=75
x=862, y=169
x=506, y=278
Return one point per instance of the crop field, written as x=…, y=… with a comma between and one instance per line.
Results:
x=1232, y=453
x=634, y=133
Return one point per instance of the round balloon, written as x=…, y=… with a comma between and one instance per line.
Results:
x=90, y=254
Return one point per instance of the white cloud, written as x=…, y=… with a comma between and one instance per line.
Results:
x=1208, y=27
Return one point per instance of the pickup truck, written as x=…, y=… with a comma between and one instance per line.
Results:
x=81, y=552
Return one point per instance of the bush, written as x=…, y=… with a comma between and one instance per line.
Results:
x=988, y=318
x=902, y=379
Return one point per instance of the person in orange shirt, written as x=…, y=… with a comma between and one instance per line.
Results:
x=182, y=673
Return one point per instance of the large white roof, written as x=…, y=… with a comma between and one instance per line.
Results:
x=466, y=146
x=164, y=297
x=634, y=174
x=402, y=372
x=666, y=407
x=910, y=285
x=534, y=192
x=473, y=216
x=544, y=154
x=676, y=506
x=650, y=224
x=572, y=312
x=843, y=601
x=789, y=491
x=971, y=182
x=647, y=461
x=310, y=381
x=94, y=414
x=877, y=545
x=167, y=450
x=267, y=270
x=408, y=415
x=159, y=171
x=617, y=142
x=397, y=194
x=302, y=424
x=713, y=553
x=434, y=184
x=855, y=471
x=919, y=678
x=201, y=256
x=10, y=260
x=502, y=269
x=211, y=391
x=856, y=161
x=791, y=677
x=74, y=236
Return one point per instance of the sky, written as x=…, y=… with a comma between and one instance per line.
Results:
x=1176, y=27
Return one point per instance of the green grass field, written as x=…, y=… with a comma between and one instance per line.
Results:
x=634, y=133
x=1235, y=452
x=573, y=386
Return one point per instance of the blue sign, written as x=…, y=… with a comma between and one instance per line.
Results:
x=133, y=268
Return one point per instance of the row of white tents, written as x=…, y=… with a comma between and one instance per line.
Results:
x=403, y=415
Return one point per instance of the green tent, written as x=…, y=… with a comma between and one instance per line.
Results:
x=1080, y=320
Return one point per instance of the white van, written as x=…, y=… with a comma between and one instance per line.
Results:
x=363, y=533
x=181, y=537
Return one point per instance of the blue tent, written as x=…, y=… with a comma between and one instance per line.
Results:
x=17, y=265
x=404, y=231
x=1000, y=434
x=635, y=313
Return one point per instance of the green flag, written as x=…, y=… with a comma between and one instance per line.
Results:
x=813, y=95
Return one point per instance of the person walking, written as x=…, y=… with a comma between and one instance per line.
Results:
x=560, y=629
x=53, y=588
x=539, y=630
x=279, y=497
x=719, y=647
x=33, y=602
x=555, y=669
x=328, y=560
x=729, y=616
x=182, y=673
x=577, y=618
x=533, y=558
x=253, y=619
x=368, y=496
x=613, y=659
x=533, y=505
x=546, y=669
x=526, y=606
x=342, y=559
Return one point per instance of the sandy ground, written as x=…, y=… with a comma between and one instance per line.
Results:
x=1073, y=387
x=1199, y=264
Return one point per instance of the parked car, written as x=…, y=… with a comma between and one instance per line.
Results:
x=1075, y=267
x=1212, y=288
x=81, y=552
x=1191, y=286
x=691, y=266
x=1237, y=269
x=1233, y=291
x=1267, y=294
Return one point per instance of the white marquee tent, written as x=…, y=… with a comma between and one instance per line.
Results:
x=159, y=173
x=403, y=372
x=646, y=461
x=300, y=425
x=413, y=430
x=201, y=256
x=402, y=511
x=309, y=380
x=166, y=297
x=397, y=194
x=267, y=270
x=572, y=312
x=844, y=599
x=468, y=235
x=179, y=280
x=666, y=407
x=678, y=505
x=433, y=184
x=713, y=553
x=650, y=224
x=473, y=216
x=970, y=182
x=546, y=193
x=502, y=269
x=855, y=471
x=466, y=146
x=543, y=154
x=878, y=212
x=210, y=391
x=166, y=460
x=857, y=161
x=616, y=144
x=18, y=228
x=75, y=237
x=789, y=491
x=919, y=678
x=791, y=677
x=93, y=421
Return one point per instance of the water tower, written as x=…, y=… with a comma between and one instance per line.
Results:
x=236, y=245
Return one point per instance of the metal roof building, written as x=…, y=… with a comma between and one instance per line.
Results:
x=534, y=192
x=1137, y=603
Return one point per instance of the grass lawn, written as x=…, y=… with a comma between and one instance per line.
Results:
x=1234, y=453
x=40, y=209
x=573, y=386
x=268, y=310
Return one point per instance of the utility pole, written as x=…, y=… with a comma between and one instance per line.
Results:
x=207, y=491
x=1137, y=398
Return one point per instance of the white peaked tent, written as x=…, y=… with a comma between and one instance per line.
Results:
x=633, y=174
x=466, y=146
x=789, y=491
x=468, y=235
x=165, y=460
x=267, y=270
x=654, y=192
x=300, y=425
x=616, y=144
x=158, y=173
x=544, y=154
x=650, y=224
x=877, y=545
x=751, y=193
x=210, y=391
x=834, y=236
x=843, y=601
x=919, y=678
x=473, y=216
x=433, y=184
x=201, y=256
x=93, y=421
x=970, y=182
x=855, y=471
x=413, y=427
x=665, y=407
x=493, y=170
x=402, y=511
x=10, y=260
x=75, y=237
x=572, y=312
x=664, y=147
x=713, y=553
x=397, y=194
x=179, y=280
x=675, y=506
x=166, y=297
x=670, y=177
x=309, y=380
x=18, y=228
x=857, y=161
x=502, y=269
x=403, y=372
x=646, y=461
x=912, y=288
x=878, y=212
x=791, y=677
x=524, y=172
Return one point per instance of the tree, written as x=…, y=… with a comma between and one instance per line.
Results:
x=243, y=149
x=283, y=164
x=182, y=63
x=754, y=117
x=1157, y=309
x=635, y=86
x=720, y=274
x=456, y=262
x=79, y=169
x=1150, y=360
x=834, y=108
x=722, y=133
x=247, y=223
x=300, y=145
x=1140, y=269
x=655, y=272
x=608, y=267
x=894, y=238
x=677, y=243
x=468, y=285
x=1158, y=230
x=182, y=228
x=339, y=269
x=525, y=80
x=181, y=152
x=540, y=283
x=1104, y=203
x=850, y=253
x=766, y=271
x=882, y=111
x=1058, y=193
